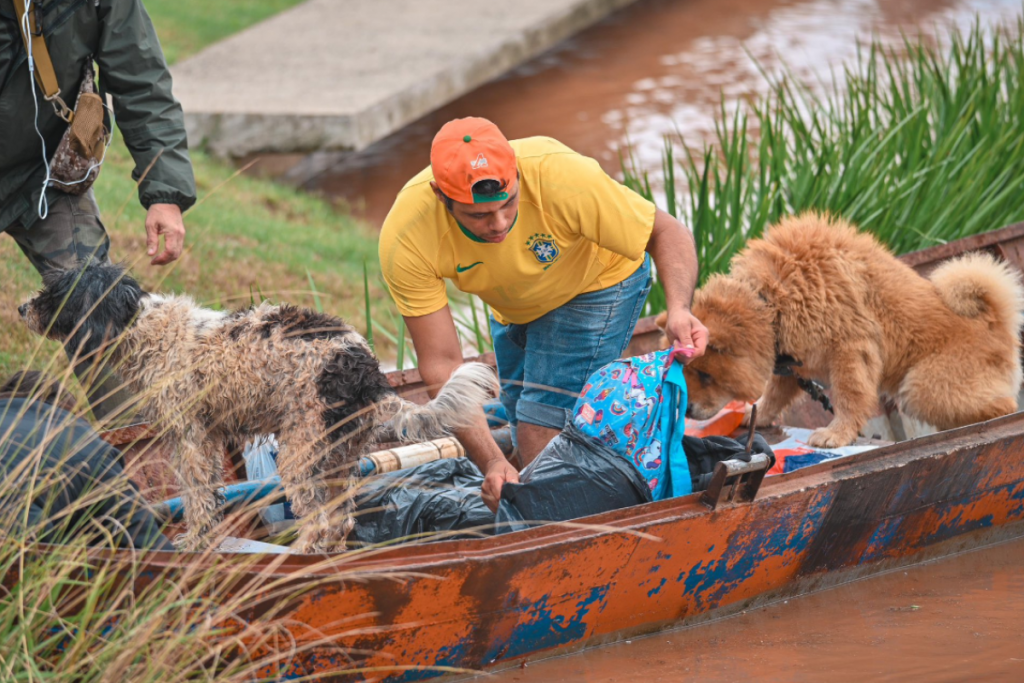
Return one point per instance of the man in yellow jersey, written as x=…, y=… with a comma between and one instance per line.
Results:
x=561, y=253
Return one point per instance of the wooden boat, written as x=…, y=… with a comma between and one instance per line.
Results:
x=494, y=602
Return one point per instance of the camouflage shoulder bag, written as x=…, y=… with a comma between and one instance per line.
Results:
x=76, y=163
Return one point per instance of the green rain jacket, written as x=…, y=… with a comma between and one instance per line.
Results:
x=120, y=37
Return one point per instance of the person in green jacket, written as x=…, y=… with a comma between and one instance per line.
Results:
x=62, y=229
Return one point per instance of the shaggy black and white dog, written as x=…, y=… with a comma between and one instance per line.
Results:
x=210, y=378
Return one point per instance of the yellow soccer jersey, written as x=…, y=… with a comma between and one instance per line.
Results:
x=577, y=231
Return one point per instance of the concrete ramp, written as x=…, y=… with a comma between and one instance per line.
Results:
x=342, y=74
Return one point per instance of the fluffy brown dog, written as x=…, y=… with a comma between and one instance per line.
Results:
x=946, y=349
x=213, y=377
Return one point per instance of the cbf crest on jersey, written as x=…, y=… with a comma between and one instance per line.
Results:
x=544, y=248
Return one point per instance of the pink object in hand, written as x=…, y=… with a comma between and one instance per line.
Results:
x=686, y=353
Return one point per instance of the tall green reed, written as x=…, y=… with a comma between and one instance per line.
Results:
x=919, y=144
x=366, y=296
x=465, y=314
x=316, y=293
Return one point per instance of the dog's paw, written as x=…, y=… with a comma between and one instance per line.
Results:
x=324, y=540
x=319, y=547
x=189, y=542
x=764, y=419
x=826, y=437
x=303, y=547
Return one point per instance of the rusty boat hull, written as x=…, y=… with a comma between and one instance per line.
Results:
x=416, y=611
x=491, y=603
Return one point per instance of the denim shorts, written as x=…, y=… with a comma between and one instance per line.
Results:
x=544, y=364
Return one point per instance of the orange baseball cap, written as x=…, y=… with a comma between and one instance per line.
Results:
x=466, y=151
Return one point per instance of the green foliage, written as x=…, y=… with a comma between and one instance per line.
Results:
x=316, y=295
x=187, y=26
x=366, y=297
x=920, y=146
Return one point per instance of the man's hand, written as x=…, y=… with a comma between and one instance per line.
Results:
x=498, y=472
x=685, y=331
x=164, y=219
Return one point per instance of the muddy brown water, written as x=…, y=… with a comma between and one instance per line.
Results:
x=657, y=68
x=958, y=619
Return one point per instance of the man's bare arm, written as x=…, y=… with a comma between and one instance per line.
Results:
x=439, y=353
x=672, y=247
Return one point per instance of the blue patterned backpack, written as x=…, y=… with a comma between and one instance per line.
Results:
x=637, y=407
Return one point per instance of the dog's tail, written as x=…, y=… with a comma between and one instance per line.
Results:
x=977, y=285
x=457, y=405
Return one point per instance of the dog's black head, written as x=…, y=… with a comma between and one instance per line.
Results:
x=84, y=307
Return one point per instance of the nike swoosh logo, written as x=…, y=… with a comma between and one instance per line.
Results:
x=460, y=269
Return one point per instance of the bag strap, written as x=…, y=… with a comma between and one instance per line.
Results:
x=674, y=429
x=46, y=77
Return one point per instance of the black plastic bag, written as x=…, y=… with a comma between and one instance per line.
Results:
x=573, y=477
x=703, y=454
x=439, y=496
x=86, y=488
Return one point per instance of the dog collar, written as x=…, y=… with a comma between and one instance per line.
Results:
x=784, y=364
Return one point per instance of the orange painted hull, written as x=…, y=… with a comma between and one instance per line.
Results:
x=491, y=602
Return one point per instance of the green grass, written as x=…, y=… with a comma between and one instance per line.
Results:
x=246, y=235
x=187, y=26
x=920, y=146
